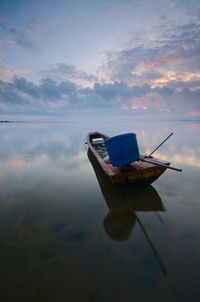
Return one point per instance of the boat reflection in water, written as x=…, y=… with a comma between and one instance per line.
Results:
x=123, y=203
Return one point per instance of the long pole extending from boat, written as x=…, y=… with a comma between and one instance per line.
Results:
x=160, y=164
x=161, y=144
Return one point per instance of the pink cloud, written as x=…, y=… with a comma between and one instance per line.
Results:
x=194, y=113
x=4, y=74
x=152, y=63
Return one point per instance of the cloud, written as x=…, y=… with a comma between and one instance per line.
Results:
x=32, y=24
x=26, y=87
x=21, y=96
x=159, y=75
x=12, y=36
x=8, y=71
x=63, y=71
x=176, y=52
x=6, y=74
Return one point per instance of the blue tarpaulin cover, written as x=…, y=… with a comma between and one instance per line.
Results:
x=122, y=149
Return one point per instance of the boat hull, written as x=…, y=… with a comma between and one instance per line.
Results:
x=142, y=177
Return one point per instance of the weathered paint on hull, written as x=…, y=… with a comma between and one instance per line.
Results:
x=139, y=178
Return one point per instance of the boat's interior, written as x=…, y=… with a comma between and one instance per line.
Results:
x=97, y=141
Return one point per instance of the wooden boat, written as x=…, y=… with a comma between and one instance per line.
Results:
x=143, y=171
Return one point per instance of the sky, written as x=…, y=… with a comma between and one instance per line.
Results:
x=61, y=57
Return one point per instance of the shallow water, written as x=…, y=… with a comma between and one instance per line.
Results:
x=66, y=234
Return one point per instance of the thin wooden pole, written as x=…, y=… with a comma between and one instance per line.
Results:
x=161, y=144
x=160, y=164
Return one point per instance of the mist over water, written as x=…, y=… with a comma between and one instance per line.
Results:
x=67, y=234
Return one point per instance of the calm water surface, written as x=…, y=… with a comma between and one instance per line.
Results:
x=66, y=234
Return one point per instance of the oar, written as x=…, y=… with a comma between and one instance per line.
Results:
x=160, y=144
x=159, y=164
